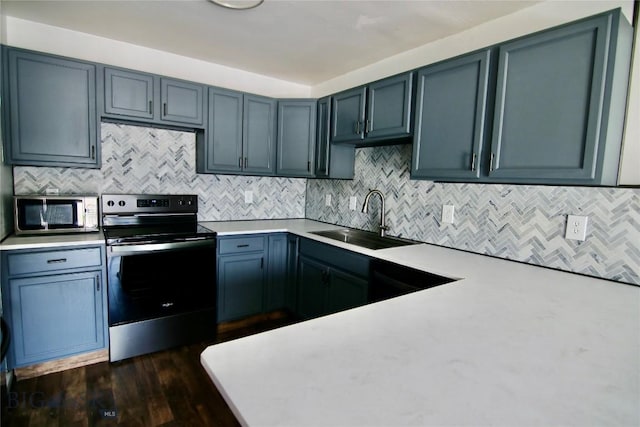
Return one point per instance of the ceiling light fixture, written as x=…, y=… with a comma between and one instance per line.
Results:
x=238, y=4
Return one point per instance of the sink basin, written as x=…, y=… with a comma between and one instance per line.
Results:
x=366, y=239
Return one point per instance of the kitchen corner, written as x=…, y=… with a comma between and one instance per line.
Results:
x=505, y=344
x=446, y=234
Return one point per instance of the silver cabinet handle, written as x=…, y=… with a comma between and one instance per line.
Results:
x=93, y=152
x=56, y=261
x=491, y=162
x=473, y=162
x=150, y=107
x=368, y=128
x=97, y=283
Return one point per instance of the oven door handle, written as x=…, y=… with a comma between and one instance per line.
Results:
x=157, y=247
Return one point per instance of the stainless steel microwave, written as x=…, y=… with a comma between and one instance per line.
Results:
x=55, y=214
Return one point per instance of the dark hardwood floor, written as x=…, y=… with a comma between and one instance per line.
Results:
x=168, y=388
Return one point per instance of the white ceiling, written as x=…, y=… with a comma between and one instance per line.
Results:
x=303, y=41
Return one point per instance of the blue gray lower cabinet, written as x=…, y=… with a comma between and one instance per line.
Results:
x=253, y=275
x=330, y=279
x=57, y=309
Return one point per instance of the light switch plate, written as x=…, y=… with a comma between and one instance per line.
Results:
x=327, y=200
x=248, y=197
x=447, y=214
x=352, y=203
x=576, y=227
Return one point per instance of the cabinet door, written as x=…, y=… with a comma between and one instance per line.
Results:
x=291, y=294
x=332, y=160
x=52, y=111
x=277, y=286
x=389, y=107
x=549, y=102
x=323, y=129
x=450, y=118
x=259, y=135
x=56, y=316
x=347, y=112
x=241, y=280
x=182, y=101
x=345, y=291
x=296, y=137
x=127, y=93
x=223, y=149
x=312, y=288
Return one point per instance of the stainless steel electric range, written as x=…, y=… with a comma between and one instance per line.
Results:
x=161, y=273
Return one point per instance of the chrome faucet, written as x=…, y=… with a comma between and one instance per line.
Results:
x=365, y=209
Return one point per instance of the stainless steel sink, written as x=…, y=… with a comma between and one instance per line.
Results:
x=366, y=239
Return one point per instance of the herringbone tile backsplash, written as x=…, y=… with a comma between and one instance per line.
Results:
x=519, y=222
x=137, y=159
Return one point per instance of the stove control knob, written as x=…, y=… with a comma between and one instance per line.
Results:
x=110, y=203
x=121, y=203
x=181, y=202
x=190, y=202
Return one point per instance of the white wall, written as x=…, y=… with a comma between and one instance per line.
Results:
x=60, y=41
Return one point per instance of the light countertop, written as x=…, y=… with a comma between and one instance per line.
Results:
x=508, y=344
x=41, y=241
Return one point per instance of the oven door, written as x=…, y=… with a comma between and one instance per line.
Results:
x=158, y=279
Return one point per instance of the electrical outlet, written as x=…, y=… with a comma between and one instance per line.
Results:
x=447, y=214
x=352, y=203
x=327, y=200
x=248, y=197
x=576, y=227
x=51, y=191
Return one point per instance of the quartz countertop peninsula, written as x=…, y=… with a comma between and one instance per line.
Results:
x=508, y=344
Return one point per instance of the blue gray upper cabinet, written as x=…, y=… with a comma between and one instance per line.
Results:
x=296, y=137
x=146, y=97
x=547, y=108
x=348, y=115
x=259, y=135
x=222, y=150
x=560, y=100
x=332, y=160
x=374, y=113
x=450, y=114
x=128, y=93
x=389, y=107
x=52, y=118
x=182, y=101
x=240, y=135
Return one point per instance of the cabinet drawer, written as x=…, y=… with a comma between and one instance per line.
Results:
x=241, y=244
x=41, y=262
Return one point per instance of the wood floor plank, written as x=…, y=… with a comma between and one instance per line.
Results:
x=168, y=388
x=73, y=408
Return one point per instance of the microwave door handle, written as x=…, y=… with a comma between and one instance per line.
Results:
x=81, y=213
